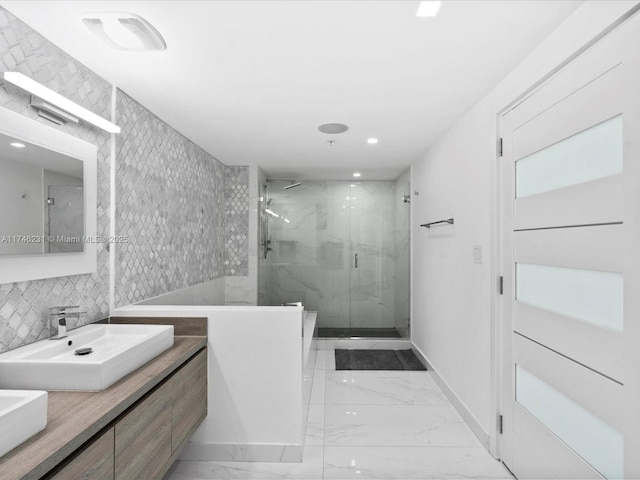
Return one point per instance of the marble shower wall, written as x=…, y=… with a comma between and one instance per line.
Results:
x=24, y=306
x=320, y=228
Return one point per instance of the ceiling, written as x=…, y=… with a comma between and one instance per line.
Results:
x=250, y=81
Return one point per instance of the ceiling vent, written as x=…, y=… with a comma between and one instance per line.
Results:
x=124, y=31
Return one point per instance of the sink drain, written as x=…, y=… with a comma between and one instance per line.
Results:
x=84, y=351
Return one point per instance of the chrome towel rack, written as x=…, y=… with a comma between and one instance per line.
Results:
x=428, y=225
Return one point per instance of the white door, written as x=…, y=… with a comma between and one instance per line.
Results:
x=570, y=181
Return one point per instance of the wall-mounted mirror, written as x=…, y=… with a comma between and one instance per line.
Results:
x=47, y=201
x=41, y=200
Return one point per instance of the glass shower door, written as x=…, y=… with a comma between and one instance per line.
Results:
x=336, y=259
x=334, y=248
x=372, y=302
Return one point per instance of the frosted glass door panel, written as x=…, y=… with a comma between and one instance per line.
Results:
x=589, y=155
x=587, y=295
x=590, y=437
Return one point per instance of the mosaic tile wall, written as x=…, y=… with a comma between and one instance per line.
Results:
x=236, y=208
x=170, y=194
x=169, y=202
x=24, y=306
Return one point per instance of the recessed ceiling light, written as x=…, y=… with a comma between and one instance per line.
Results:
x=333, y=128
x=356, y=174
x=372, y=140
x=429, y=8
x=124, y=31
x=17, y=145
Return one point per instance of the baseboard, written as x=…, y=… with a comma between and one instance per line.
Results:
x=277, y=453
x=458, y=404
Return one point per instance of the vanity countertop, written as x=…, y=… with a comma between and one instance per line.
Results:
x=75, y=417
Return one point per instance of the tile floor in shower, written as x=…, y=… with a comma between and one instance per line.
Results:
x=370, y=424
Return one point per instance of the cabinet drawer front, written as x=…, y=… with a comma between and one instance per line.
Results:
x=93, y=462
x=189, y=398
x=143, y=438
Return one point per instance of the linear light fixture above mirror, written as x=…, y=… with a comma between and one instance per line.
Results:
x=22, y=81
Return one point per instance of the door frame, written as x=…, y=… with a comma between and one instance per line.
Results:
x=499, y=324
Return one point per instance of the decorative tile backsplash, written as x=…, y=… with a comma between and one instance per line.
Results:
x=236, y=207
x=24, y=306
x=170, y=198
x=169, y=203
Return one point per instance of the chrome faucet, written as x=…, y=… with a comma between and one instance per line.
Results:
x=58, y=320
x=292, y=304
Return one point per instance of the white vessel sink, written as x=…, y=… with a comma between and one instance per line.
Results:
x=54, y=365
x=23, y=413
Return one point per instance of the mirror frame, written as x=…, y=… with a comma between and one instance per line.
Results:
x=20, y=268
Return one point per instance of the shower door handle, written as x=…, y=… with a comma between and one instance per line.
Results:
x=356, y=261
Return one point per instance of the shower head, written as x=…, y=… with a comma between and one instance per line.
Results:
x=292, y=185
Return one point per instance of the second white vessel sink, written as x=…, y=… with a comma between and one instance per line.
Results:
x=22, y=415
x=116, y=350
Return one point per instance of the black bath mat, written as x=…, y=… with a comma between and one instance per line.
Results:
x=377, y=360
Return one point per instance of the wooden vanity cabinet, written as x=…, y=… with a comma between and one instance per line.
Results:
x=145, y=440
x=189, y=399
x=143, y=437
x=94, y=462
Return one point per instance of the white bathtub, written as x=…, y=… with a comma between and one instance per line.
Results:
x=261, y=364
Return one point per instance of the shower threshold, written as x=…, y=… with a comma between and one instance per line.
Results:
x=358, y=333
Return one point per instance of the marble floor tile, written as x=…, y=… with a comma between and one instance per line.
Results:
x=310, y=469
x=342, y=463
x=321, y=359
x=382, y=390
x=403, y=429
x=416, y=376
x=396, y=425
x=318, y=389
x=314, y=434
x=330, y=360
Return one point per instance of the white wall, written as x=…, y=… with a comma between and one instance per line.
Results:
x=255, y=381
x=453, y=297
